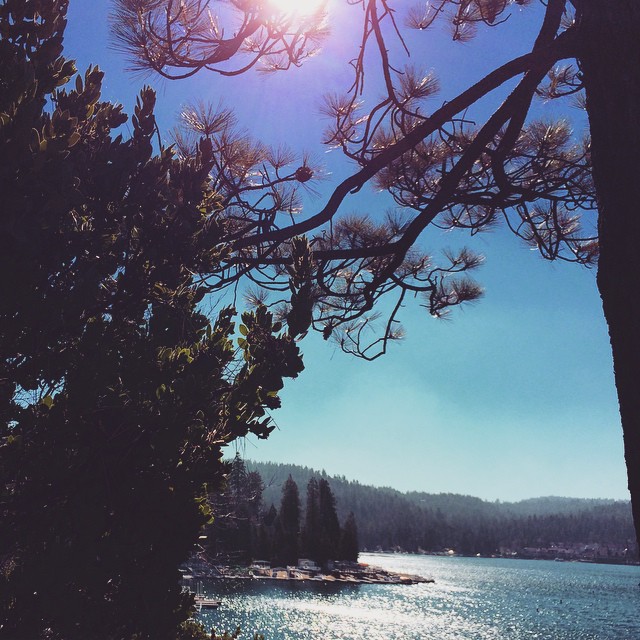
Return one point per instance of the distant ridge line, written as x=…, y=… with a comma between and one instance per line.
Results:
x=416, y=521
x=308, y=472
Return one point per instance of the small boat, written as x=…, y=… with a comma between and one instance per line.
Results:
x=199, y=598
x=202, y=602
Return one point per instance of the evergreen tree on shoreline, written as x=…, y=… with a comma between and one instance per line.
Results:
x=329, y=529
x=311, y=534
x=288, y=529
x=349, y=546
x=234, y=533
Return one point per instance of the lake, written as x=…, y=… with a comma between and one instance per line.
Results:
x=472, y=599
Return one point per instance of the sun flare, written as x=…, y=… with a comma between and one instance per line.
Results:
x=297, y=7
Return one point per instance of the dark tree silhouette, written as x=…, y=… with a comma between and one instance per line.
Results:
x=444, y=171
x=311, y=532
x=236, y=509
x=237, y=486
x=329, y=526
x=289, y=524
x=266, y=548
x=117, y=392
x=349, y=544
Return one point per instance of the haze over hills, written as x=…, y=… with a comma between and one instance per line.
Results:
x=413, y=521
x=274, y=475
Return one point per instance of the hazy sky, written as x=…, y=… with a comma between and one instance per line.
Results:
x=511, y=398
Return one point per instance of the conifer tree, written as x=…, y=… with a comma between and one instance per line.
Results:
x=329, y=538
x=237, y=486
x=311, y=533
x=349, y=544
x=267, y=535
x=289, y=524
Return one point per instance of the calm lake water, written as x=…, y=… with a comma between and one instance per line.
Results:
x=472, y=599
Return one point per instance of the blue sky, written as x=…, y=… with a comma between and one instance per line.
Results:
x=511, y=398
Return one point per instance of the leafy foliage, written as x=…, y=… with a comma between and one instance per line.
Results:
x=118, y=392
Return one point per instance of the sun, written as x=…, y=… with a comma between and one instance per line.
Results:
x=297, y=7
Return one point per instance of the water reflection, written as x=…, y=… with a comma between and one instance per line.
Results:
x=472, y=599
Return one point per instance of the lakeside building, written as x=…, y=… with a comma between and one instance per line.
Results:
x=581, y=551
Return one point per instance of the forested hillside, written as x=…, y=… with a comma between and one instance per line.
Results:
x=539, y=527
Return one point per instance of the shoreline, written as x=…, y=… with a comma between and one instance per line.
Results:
x=355, y=574
x=609, y=561
x=389, y=578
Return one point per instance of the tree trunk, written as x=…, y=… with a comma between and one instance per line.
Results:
x=609, y=57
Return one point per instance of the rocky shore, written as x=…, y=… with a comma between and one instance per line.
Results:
x=348, y=573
